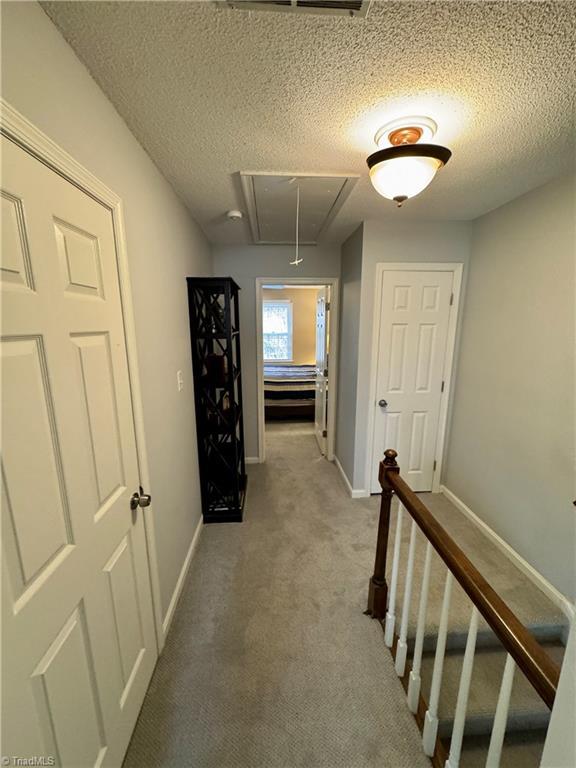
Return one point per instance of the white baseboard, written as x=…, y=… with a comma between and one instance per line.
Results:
x=181, y=578
x=354, y=493
x=252, y=460
x=560, y=600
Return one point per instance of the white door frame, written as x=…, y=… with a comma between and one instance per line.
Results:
x=20, y=130
x=334, y=284
x=457, y=269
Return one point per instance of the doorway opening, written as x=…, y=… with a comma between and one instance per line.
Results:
x=296, y=345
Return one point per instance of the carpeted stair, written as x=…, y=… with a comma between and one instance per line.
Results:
x=521, y=750
x=528, y=715
x=527, y=710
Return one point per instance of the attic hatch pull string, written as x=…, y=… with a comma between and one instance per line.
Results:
x=296, y=259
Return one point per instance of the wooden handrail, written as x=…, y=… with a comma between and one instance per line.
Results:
x=542, y=672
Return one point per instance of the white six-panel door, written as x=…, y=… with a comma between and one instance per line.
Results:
x=78, y=634
x=413, y=335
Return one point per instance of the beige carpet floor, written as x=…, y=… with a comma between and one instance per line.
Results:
x=270, y=662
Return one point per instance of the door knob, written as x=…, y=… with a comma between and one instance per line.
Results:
x=140, y=499
x=382, y=403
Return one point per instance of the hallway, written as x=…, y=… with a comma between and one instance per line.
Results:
x=270, y=662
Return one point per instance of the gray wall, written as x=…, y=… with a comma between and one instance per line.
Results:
x=245, y=264
x=351, y=275
x=425, y=241
x=47, y=83
x=511, y=450
x=304, y=303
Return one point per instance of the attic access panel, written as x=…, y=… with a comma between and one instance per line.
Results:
x=351, y=8
x=271, y=205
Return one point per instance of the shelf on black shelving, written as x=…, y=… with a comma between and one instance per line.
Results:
x=208, y=382
x=227, y=511
x=220, y=336
x=225, y=425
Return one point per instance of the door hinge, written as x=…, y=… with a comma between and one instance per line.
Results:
x=325, y=373
x=442, y=387
x=324, y=433
x=434, y=466
x=451, y=299
x=327, y=305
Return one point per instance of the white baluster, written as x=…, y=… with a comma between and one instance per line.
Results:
x=415, y=682
x=463, y=691
x=431, y=719
x=501, y=716
x=390, y=613
x=402, y=646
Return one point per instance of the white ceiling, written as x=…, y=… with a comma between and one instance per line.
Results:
x=210, y=91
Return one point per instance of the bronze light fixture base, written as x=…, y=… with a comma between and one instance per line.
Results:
x=408, y=135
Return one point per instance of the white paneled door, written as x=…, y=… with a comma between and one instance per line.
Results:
x=414, y=324
x=78, y=634
x=321, y=386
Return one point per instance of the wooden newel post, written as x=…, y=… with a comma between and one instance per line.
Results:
x=378, y=588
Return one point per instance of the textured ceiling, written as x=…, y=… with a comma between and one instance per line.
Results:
x=211, y=91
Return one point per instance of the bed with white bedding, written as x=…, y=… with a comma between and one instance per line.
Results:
x=289, y=391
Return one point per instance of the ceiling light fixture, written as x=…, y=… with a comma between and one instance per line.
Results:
x=405, y=167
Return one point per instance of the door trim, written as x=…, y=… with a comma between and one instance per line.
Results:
x=22, y=132
x=457, y=269
x=334, y=283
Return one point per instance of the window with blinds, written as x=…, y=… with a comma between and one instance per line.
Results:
x=277, y=330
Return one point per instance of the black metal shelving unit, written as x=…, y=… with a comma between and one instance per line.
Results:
x=215, y=335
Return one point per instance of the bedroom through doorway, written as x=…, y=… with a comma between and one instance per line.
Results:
x=296, y=347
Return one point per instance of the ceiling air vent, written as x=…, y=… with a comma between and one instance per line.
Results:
x=331, y=7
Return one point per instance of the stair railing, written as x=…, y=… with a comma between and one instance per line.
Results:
x=523, y=650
